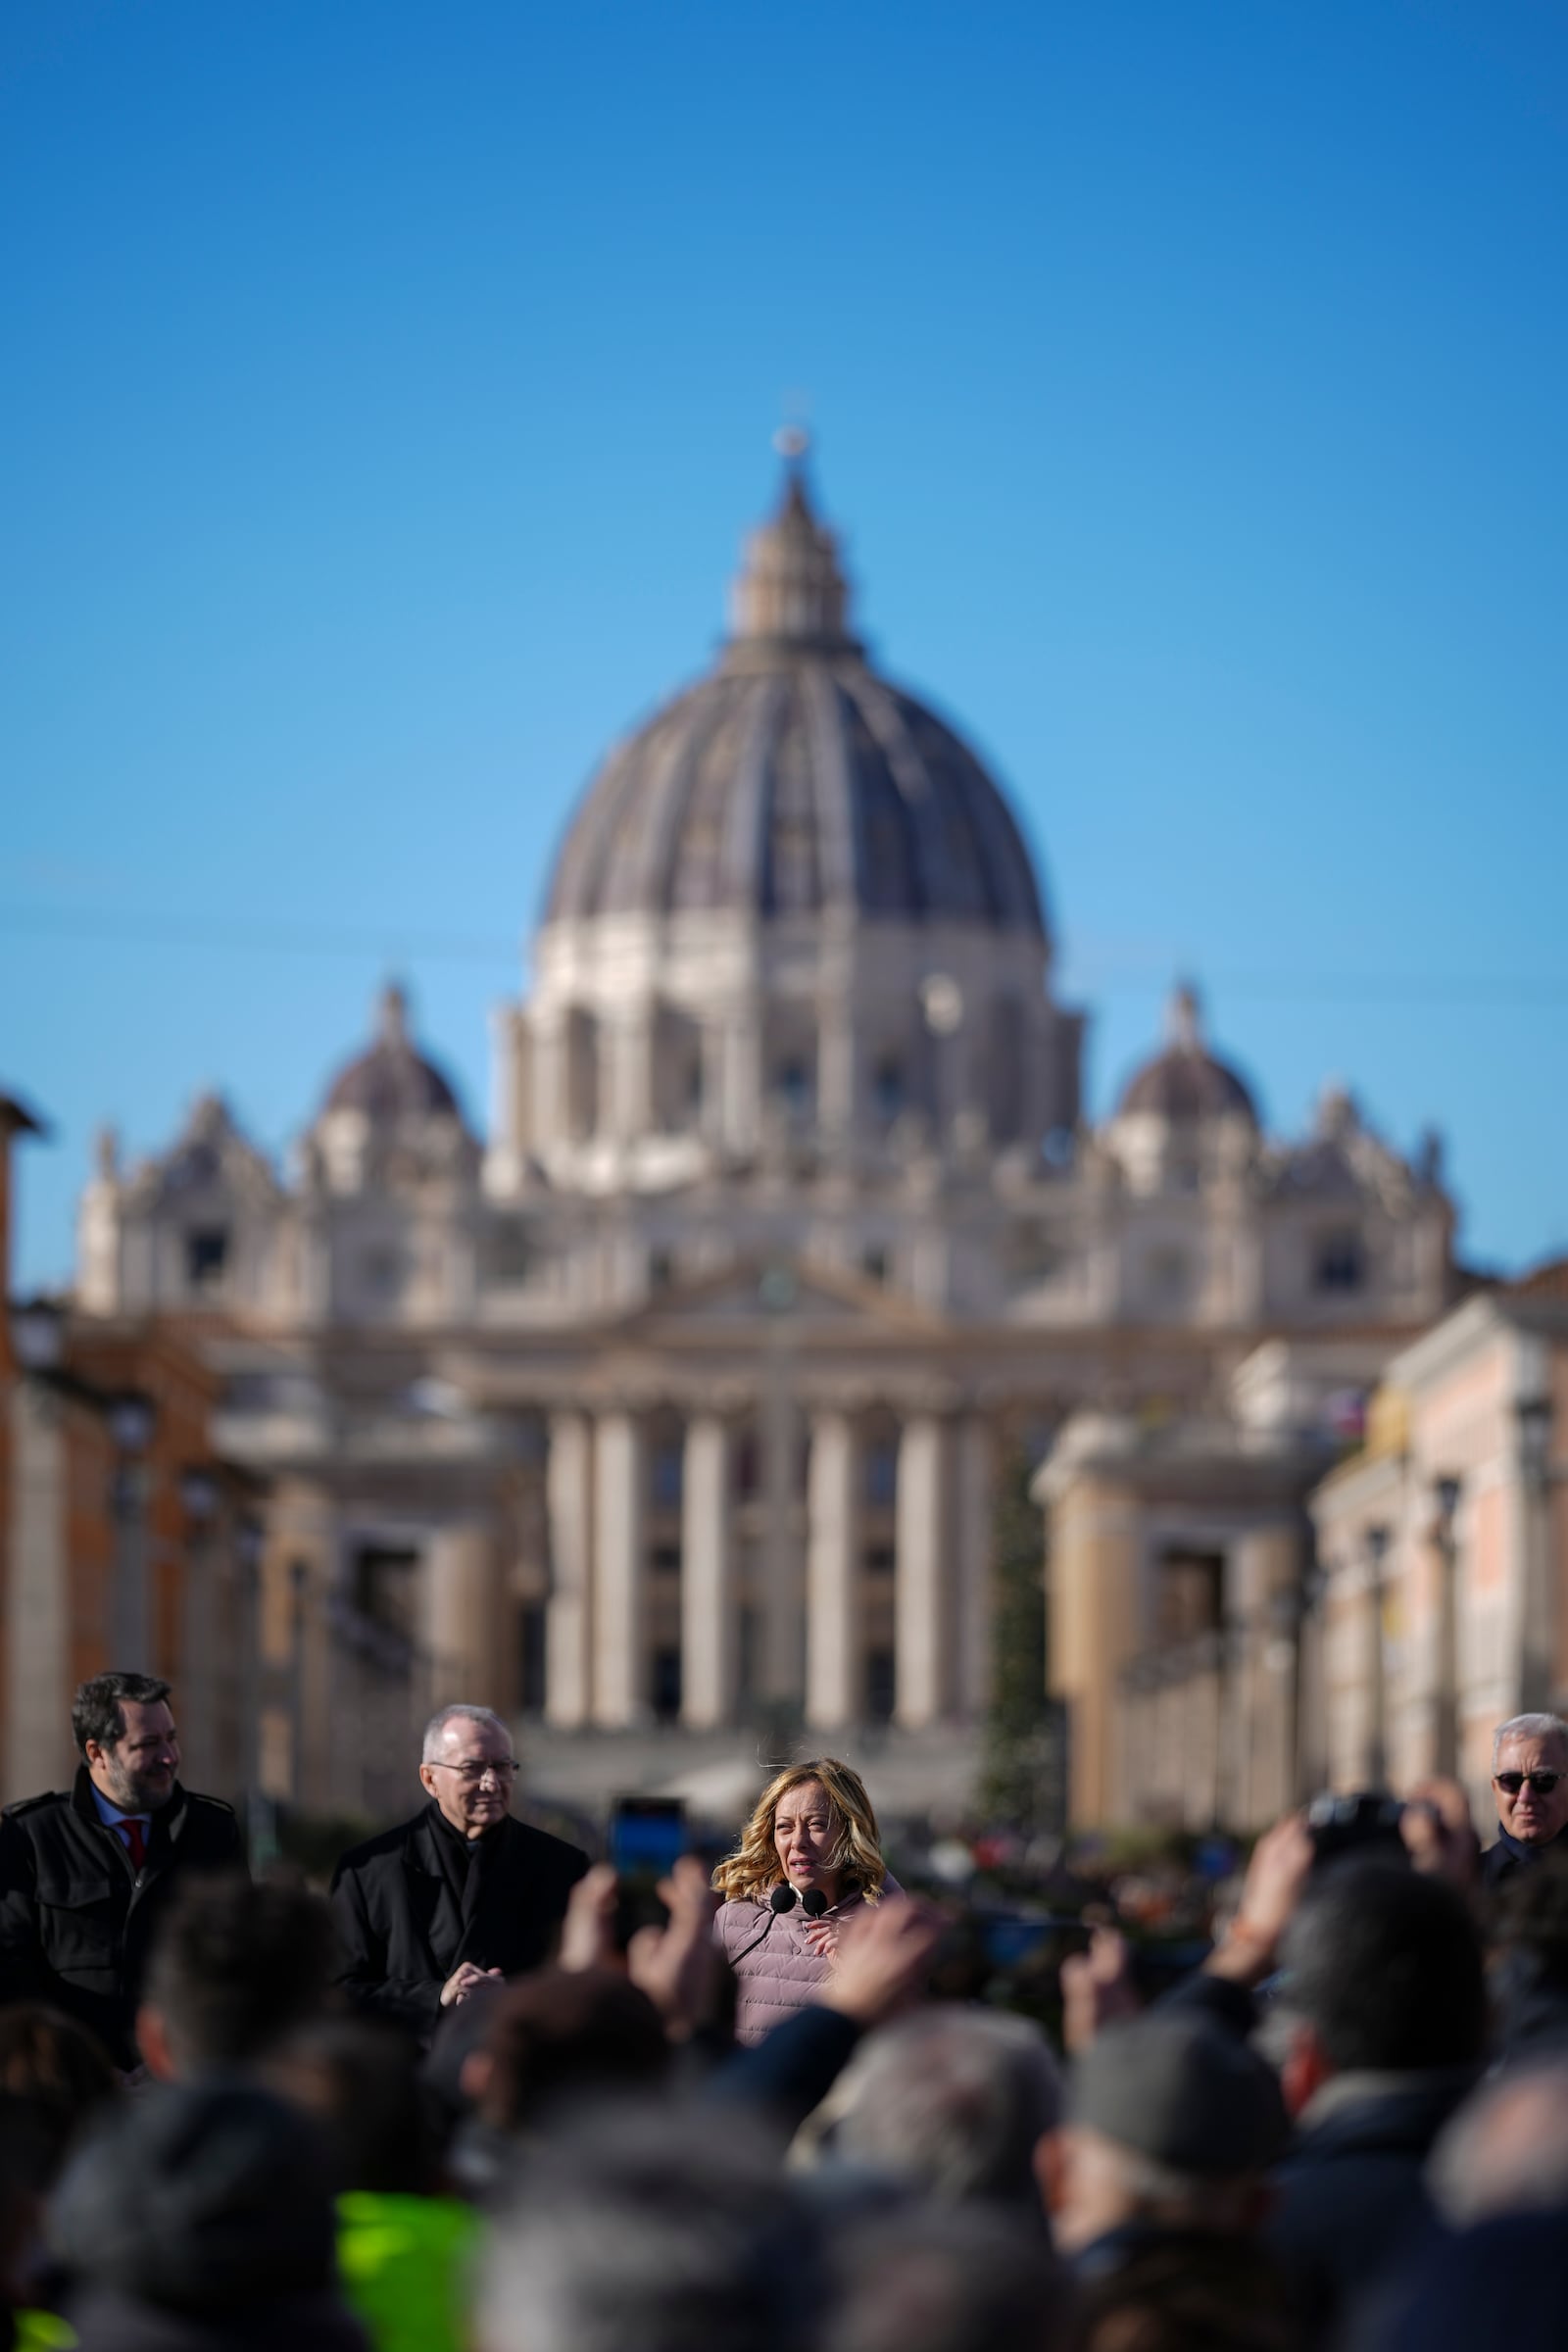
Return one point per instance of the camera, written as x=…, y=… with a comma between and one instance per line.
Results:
x=1365, y=1823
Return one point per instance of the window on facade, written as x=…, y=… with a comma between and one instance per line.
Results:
x=1036, y=1253
x=385, y=1585
x=748, y=1468
x=1190, y=1597
x=889, y=1090
x=666, y=1684
x=660, y=1269
x=668, y=1464
x=1339, y=1262
x=582, y=1074
x=880, y=1685
x=881, y=1474
x=875, y=1262
x=511, y=1252
x=747, y=1643
x=381, y=1270
x=1168, y=1274
x=792, y=1083
x=1006, y=1073
x=879, y=1559
x=666, y=1559
x=531, y=1659
x=206, y=1256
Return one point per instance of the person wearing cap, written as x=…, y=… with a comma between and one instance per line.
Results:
x=1529, y=1787
x=1172, y=2126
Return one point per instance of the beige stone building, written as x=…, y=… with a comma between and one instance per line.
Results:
x=1444, y=1547
x=669, y=1408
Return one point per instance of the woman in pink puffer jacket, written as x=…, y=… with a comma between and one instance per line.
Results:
x=814, y=1826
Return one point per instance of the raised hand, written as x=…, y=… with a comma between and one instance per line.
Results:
x=1097, y=1988
x=884, y=1952
x=1276, y=1876
x=588, y=1931
x=674, y=1964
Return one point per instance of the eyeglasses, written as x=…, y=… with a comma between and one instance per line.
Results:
x=470, y=1775
x=1542, y=1783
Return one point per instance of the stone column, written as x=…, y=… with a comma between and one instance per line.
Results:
x=834, y=1674
x=744, y=1081
x=709, y=1625
x=620, y=1594
x=715, y=1050
x=922, y=1594
x=836, y=1070
x=1377, y=1689
x=975, y=1476
x=462, y=1631
x=627, y=1048
x=301, y=1570
x=1095, y=1628
x=780, y=1667
x=1266, y=1562
x=568, y=1621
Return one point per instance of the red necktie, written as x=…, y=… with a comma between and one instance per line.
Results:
x=136, y=1839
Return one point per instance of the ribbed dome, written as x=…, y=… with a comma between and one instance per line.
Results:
x=392, y=1080
x=792, y=780
x=1185, y=1081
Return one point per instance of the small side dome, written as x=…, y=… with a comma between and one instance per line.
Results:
x=392, y=1081
x=1186, y=1082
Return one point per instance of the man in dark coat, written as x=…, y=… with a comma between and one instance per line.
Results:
x=462, y=1893
x=1383, y=1995
x=85, y=1873
x=1530, y=1787
x=1381, y=2013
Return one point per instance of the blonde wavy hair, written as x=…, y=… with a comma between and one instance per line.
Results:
x=753, y=1867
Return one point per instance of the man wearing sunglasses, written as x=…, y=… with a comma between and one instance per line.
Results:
x=1530, y=1784
x=461, y=1893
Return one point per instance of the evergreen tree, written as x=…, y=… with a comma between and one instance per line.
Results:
x=1021, y=1769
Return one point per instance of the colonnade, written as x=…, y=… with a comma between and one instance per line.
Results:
x=803, y=1582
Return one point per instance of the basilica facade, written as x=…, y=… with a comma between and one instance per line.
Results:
x=673, y=1405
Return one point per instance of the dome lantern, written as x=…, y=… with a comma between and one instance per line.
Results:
x=791, y=590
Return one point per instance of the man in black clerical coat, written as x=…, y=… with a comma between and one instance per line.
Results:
x=462, y=1893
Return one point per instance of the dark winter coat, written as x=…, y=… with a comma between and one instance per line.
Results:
x=1510, y=1855
x=77, y=1921
x=1351, y=2194
x=199, y=2219
x=409, y=1913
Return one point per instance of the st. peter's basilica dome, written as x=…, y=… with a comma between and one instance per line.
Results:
x=792, y=780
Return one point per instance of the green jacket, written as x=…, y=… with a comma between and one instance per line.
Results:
x=406, y=2264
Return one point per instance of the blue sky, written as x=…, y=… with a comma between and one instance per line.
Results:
x=388, y=387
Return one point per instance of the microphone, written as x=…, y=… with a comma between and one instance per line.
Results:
x=781, y=1899
x=814, y=1902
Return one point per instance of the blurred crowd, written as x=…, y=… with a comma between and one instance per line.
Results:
x=772, y=2112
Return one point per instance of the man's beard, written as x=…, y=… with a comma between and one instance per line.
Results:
x=128, y=1792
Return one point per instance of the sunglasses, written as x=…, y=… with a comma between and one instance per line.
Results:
x=1542, y=1783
